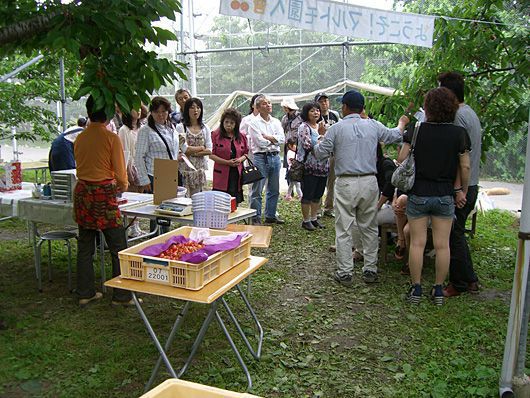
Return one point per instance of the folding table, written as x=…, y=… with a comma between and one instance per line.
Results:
x=60, y=212
x=212, y=295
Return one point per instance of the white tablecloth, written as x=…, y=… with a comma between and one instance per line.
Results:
x=9, y=200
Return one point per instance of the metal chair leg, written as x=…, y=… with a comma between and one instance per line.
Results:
x=38, y=265
x=49, y=261
x=69, y=265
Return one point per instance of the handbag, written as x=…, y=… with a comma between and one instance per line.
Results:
x=297, y=169
x=250, y=173
x=404, y=175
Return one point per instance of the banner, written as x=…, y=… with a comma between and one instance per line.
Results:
x=338, y=18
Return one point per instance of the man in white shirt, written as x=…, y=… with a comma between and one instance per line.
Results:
x=245, y=122
x=266, y=136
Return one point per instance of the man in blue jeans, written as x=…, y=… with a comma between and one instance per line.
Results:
x=266, y=136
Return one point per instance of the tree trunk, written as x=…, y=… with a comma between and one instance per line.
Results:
x=23, y=30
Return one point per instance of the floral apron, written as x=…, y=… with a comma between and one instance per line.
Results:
x=96, y=205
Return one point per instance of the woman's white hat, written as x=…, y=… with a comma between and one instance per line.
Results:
x=290, y=103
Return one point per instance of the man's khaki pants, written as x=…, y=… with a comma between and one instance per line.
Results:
x=356, y=208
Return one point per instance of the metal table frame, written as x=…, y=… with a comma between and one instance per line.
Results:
x=212, y=295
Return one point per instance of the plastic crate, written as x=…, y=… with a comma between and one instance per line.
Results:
x=179, y=273
x=210, y=219
x=211, y=209
x=175, y=388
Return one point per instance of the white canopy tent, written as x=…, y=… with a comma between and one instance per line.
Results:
x=342, y=86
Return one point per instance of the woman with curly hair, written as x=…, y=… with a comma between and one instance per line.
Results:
x=315, y=171
x=229, y=150
x=442, y=157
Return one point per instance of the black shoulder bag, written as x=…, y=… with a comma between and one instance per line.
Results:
x=250, y=173
x=296, y=171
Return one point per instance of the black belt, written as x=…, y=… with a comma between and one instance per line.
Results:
x=357, y=175
x=267, y=153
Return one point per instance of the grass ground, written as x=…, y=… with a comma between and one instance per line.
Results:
x=321, y=339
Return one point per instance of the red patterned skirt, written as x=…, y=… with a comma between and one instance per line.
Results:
x=96, y=205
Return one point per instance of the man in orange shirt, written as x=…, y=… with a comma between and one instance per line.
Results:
x=101, y=175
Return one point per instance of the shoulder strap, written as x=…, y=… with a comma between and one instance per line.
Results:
x=249, y=161
x=415, y=135
x=165, y=142
x=306, y=153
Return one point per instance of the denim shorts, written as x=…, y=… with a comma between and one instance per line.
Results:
x=425, y=206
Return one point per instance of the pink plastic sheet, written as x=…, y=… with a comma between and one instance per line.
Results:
x=196, y=257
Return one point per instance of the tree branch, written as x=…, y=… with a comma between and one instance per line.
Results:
x=491, y=71
x=24, y=29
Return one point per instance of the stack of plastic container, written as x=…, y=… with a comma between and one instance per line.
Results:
x=211, y=209
x=63, y=184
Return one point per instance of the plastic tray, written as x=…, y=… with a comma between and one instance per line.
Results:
x=179, y=273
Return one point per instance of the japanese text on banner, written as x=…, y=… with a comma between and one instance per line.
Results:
x=337, y=18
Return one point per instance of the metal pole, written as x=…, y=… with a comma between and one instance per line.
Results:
x=277, y=47
x=21, y=68
x=193, y=63
x=300, y=60
x=63, y=94
x=344, y=65
x=520, y=366
x=14, y=143
x=252, y=64
x=525, y=235
x=181, y=56
x=515, y=344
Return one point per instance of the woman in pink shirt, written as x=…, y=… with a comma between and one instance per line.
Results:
x=229, y=150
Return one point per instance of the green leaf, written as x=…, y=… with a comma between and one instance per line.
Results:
x=164, y=35
x=131, y=26
x=82, y=91
x=122, y=102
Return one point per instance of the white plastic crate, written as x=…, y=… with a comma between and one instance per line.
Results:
x=210, y=219
x=211, y=209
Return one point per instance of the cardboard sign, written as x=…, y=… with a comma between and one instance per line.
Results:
x=166, y=175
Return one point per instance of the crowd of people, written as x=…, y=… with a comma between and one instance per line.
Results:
x=346, y=175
